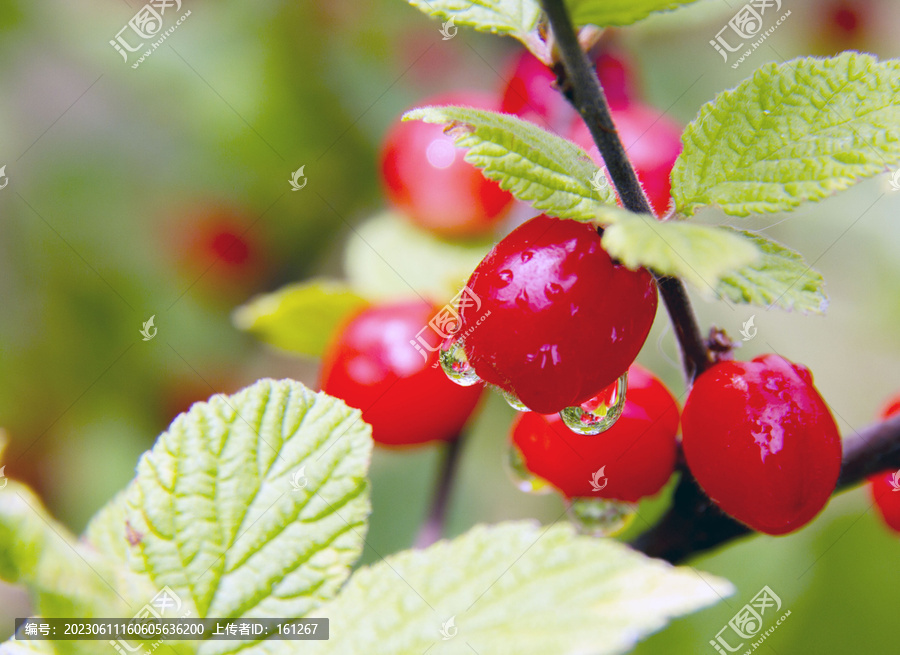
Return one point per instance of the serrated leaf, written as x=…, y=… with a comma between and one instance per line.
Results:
x=700, y=254
x=514, y=18
x=618, y=12
x=387, y=258
x=499, y=589
x=300, y=318
x=780, y=277
x=792, y=133
x=253, y=504
x=549, y=172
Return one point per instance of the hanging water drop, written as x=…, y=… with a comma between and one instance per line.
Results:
x=601, y=517
x=599, y=413
x=513, y=401
x=456, y=365
x=524, y=479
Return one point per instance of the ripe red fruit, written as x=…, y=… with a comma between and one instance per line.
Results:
x=637, y=454
x=885, y=487
x=565, y=319
x=530, y=93
x=761, y=442
x=426, y=177
x=372, y=366
x=652, y=142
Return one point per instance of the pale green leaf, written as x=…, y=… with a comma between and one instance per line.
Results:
x=792, y=133
x=387, y=258
x=551, y=173
x=780, y=277
x=63, y=576
x=512, y=588
x=28, y=647
x=253, y=504
x=618, y=12
x=514, y=18
x=700, y=254
x=300, y=318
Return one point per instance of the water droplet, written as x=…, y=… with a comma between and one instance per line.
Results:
x=506, y=275
x=527, y=255
x=456, y=365
x=599, y=413
x=601, y=517
x=514, y=402
x=552, y=290
x=524, y=479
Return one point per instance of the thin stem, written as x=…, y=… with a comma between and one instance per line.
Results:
x=577, y=80
x=433, y=527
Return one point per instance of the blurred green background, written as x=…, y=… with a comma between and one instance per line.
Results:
x=123, y=184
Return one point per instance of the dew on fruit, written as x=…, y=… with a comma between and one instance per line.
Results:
x=601, y=517
x=506, y=275
x=524, y=479
x=456, y=365
x=599, y=413
x=513, y=401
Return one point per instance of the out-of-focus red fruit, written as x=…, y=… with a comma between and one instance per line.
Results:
x=373, y=366
x=427, y=179
x=885, y=487
x=652, y=141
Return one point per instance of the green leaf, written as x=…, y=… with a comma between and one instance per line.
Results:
x=551, y=173
x=513, y=588
x=300, y=318
x=388, y=258
x=700, y=254
x=28, y=647
x=514, y=18
x=253, y=504
x=792, y=133
x=780, y=277
x=618, y=12
x=64, y=577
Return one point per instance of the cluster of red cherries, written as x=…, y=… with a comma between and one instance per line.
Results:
x=557, y=327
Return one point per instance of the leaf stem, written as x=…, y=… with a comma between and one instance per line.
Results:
x=433, y=527
x=577, y=80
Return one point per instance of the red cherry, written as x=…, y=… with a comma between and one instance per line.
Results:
x=371, y=365
x=652, y=142
x=761, y=442
x=530, y=93
x=885, y=487
x=637, y=453
x=565, y=320
x=426, y=177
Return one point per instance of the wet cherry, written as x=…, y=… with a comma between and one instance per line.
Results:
x=632, y=459
x=371, y=365
x=761, y=442
x=427, y=179
x=565, y=319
